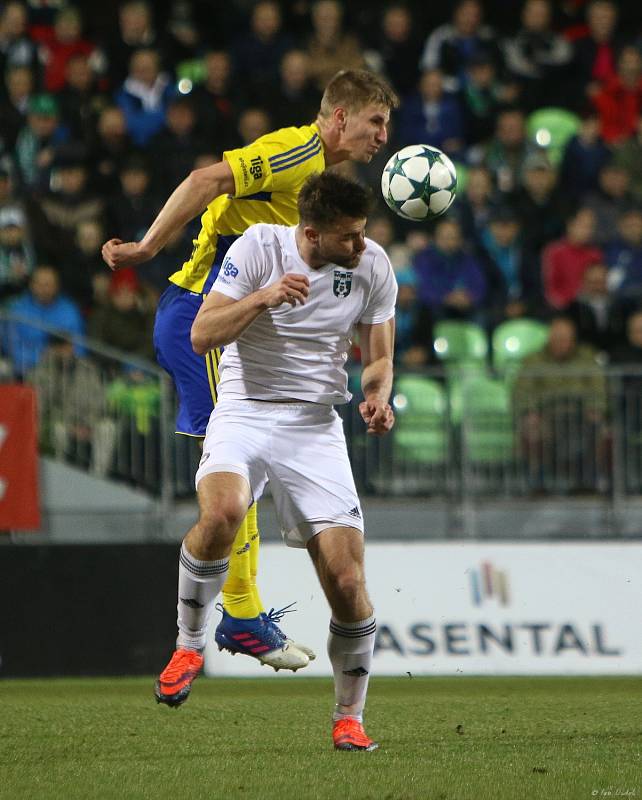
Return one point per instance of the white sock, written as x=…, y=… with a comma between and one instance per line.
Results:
x=199, y=583
x=350, y=647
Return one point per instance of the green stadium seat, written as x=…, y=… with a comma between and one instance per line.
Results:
x=487, y=421
x=192, y=70
x=551, y=128
x=421, y=427
x=460, y=342
x=515, y=339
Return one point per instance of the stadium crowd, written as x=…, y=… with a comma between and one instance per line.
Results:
x=102, y=114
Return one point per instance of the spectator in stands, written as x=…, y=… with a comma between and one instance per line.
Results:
x=134, y=399
x=42, y=303
x=217, y=102
x=144, y=96
x=295, y=97
x=70, y=201
x=84, y=263
x=619, y=101
x=168, y=260
x=584, y=156
x=399, y=46
x=36, y=142
x=512, y=270
x=474, y=207
x=132, y=209
x=560, y=400
x=330, y=47
x=624, y=257
x=564, y=261
x=627, y=358
x=450, y=281
x=629, y=354
x=135, y=31
x=8, y=195
x=110, y=149
x=59, y=43
x=183, y=33
x=609, y=201
x=595, y=52
x=413, y=324
x=126, y=322
x=256, y=55
x=538, y=57
x=506, y=152
x=381, y=230
x=17, y=49
x=173, y=148
x=432, y=115
x=628, y=155
x=81, y=100
x=597, y=315
x=482, y=96
x=14, y=107
x=17, y=256
x=540, y=203
x=72, y=408
x=451, y=46
x=253, y=123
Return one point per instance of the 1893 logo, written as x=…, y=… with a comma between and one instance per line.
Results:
x=342, y=283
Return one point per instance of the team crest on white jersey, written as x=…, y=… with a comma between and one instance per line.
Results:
x=342, y=283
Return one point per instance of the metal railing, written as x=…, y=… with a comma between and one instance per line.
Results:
x=463, y=436
x=538, y=433
x=104, y=411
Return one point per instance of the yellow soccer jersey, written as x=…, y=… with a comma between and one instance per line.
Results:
x=268, y=175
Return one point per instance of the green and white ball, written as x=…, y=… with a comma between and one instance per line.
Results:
x=419, y=182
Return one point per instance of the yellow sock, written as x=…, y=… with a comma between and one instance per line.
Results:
x=238, y=594
x=254, y=539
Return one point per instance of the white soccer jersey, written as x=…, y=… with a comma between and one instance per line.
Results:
x=299, y=353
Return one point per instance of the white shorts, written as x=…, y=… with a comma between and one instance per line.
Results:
x=300, y=448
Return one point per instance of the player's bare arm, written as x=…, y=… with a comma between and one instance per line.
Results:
x=221, y=319
x=189, y=199
x=377, y=346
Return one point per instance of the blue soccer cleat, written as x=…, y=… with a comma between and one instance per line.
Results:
x=258, y=638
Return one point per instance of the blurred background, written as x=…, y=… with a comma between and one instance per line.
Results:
x=519, y=355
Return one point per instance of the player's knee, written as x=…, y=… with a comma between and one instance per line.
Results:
x=222, y=522
x=349, y=585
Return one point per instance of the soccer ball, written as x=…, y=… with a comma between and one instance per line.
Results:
x=419, y=182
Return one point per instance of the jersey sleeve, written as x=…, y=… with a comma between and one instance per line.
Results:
x=381, y=303
x=242, y=269
x=274, y=163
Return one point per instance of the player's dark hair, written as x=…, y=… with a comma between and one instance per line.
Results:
x=328, y=197
x=354, y=89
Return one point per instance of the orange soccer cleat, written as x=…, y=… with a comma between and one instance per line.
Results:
x=175, y=681
x=348, y=734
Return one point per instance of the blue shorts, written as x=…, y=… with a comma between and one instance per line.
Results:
x=195, y=377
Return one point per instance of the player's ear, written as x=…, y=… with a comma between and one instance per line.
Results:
x=311, y=234
x=340, y=118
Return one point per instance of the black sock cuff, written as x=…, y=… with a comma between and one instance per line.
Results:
x=353, y=630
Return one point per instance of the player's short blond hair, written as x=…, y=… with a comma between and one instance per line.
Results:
x=355, y=89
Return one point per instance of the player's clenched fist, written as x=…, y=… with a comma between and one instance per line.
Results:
x=118, y=254
x=290, y=289
x=378, y=416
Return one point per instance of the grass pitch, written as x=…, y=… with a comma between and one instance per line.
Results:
x=441, y=739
